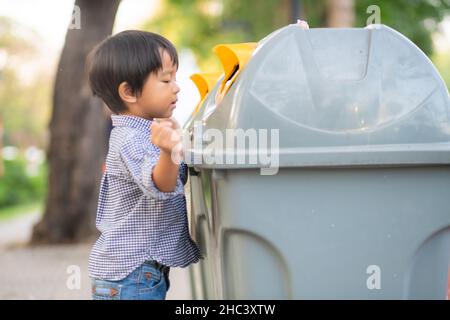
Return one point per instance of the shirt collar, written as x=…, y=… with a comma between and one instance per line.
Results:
x=130, y=121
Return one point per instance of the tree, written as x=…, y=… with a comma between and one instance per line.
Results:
x=340, y=14
x=78, y=132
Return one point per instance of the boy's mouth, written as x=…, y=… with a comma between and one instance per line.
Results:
x=173, y=105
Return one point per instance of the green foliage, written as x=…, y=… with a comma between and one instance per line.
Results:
x=416, y=19
x=16, y=187
x=202, y=24
x=193, y=24
x=442, y=63
x=24, y=110
x=19, y=210
x=24, y=105
x=10, y=40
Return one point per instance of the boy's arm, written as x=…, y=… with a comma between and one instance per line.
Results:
x=165, y=172
x=138, y=160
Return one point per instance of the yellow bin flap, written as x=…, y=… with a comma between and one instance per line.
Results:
x=234, y=56
x=204, y=82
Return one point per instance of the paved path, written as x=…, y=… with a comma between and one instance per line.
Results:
x=44, y=272
x=17, y=230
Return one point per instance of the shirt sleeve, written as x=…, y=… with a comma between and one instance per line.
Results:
x=139, y=157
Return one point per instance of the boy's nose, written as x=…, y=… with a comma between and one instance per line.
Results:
x=177, y=88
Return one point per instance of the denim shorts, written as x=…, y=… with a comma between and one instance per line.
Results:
x=150, y=281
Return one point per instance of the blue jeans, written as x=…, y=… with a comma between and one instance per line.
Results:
x=150, y=281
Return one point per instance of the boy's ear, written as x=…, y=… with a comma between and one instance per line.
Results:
x=126, y=93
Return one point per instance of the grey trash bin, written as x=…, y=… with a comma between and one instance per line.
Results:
x=360, y=205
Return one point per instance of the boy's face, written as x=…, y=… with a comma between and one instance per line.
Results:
x=159, y=94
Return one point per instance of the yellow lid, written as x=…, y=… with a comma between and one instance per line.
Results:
x=204, y=83
x=233, y=58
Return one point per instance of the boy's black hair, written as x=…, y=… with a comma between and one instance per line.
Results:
x=129, y=56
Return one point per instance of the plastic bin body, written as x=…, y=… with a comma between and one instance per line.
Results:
x=360, y=206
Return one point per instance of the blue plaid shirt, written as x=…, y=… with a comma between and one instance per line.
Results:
x=137, y=221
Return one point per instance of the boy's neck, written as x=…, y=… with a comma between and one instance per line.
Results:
x=129, y=113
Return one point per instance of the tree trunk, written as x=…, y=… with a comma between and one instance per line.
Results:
x=78, y=132
x=340, y=13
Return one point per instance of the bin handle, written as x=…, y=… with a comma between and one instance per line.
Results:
x=233, y=58
x=204, y=83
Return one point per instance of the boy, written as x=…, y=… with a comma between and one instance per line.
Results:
x=142, y=209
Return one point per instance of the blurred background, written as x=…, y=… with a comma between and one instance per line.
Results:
x=53, y=133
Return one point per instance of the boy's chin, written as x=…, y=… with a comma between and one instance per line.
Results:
x=168, y=114
x=165, y=115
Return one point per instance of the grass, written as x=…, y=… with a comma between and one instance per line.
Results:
x=9, y=213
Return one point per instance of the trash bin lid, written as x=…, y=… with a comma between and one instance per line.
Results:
x=354, y=96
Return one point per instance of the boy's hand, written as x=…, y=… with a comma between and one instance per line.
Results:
x=165, y=134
